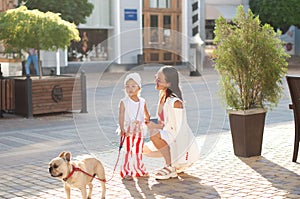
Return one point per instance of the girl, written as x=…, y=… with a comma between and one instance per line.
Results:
x=132, y=116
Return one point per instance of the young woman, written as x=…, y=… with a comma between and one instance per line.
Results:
x=132, y=115
x=171, y=137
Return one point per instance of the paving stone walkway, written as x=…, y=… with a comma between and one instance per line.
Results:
x=27, y=146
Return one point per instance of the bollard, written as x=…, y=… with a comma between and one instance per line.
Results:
x=140, y=59
x=83, y=93
x=28, y=88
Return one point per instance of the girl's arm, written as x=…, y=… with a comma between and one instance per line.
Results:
x=151, y=125
x=146, y=114
x=121, y=118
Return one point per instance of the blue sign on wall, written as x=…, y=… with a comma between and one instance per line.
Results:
x=130, y=14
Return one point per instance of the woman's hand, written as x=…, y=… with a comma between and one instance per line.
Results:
x=151, y=125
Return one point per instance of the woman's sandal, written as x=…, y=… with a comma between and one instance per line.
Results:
x=166, y=173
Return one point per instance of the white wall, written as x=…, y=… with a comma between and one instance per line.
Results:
x=48, y=58
x=186, y=33
x=126, y=36
x=227, y=9
x=100, y=17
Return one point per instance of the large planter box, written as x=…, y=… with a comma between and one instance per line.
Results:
x=247, y=131
x=49, y=94
x=7, y=94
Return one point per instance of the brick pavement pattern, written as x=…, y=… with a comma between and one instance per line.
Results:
x=27, y=146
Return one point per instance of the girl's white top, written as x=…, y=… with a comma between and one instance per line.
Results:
x=133, y=110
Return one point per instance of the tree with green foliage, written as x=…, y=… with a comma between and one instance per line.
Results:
x=278, y=13
x=22, y=29
x=74, y=11
x=250, y=60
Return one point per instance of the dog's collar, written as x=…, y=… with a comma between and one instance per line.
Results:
x=71, y=173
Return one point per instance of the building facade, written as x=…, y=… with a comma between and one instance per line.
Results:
x=159, y=31
x=216, y=8
x=7, y=4
x=150, y=31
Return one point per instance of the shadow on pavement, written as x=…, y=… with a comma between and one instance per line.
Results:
x=185, y=186
x=280, y=177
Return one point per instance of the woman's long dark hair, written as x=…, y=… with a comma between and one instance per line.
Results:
x=172, y=77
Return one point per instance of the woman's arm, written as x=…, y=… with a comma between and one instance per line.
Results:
x=178, y=104
x=178, y=115
x=121, y=118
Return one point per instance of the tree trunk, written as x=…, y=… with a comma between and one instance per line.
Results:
x=39, y=64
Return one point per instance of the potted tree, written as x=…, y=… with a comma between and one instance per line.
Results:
x=251, y=64
x=21, y=28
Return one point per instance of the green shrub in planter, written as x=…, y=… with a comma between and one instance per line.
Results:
x=250, y=60
x=251, y=63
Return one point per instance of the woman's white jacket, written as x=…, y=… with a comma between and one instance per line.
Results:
x=184, y=149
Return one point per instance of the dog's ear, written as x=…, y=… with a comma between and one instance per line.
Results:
x=68, y=156
x=65, y=155
x=62, y=154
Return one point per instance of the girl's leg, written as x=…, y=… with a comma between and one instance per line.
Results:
x=139, y=166
x=125, y=168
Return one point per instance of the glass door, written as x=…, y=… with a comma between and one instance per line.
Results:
x=162, y=41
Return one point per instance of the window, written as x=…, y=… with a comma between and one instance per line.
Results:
x=209, y=29
x=195, y=30
x=195, y=6
x=167, y=56
x=154, y=28
x=195, y=18
x=160, y=3
x=167, y=21
x=154, y=56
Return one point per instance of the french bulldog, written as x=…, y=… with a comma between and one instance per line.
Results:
x=77, y=174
